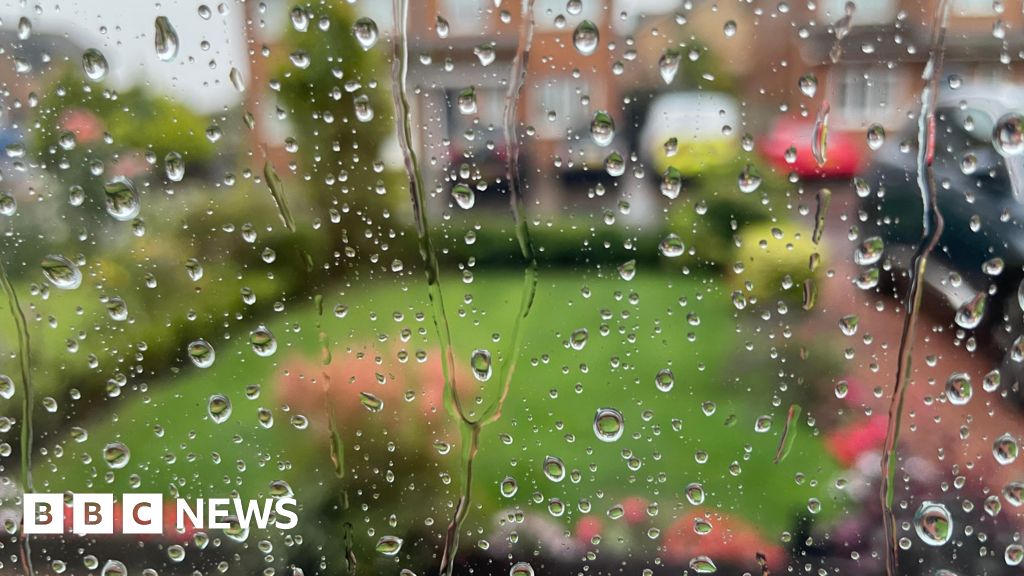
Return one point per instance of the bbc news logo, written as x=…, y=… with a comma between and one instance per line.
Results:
x=145, y=514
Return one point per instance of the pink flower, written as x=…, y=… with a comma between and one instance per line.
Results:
x=847, y=443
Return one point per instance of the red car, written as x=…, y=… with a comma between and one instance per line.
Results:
x=845, y=151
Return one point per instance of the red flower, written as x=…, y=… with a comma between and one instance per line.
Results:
x=847, y=443
x=86, y=126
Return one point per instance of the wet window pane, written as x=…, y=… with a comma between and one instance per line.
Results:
x=511, y=287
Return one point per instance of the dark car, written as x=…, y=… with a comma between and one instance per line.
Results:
x=978, y=264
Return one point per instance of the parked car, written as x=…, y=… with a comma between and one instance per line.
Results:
x=843, y=160
x=705, y=126
x=979, y=195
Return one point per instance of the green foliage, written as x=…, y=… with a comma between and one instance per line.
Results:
x=775, y=260
x=135, y=119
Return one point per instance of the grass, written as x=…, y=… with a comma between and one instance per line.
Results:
x=635, y=329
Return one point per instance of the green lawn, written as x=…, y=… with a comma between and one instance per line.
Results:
x=549, y=411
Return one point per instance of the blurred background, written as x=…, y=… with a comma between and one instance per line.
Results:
x=216, y=286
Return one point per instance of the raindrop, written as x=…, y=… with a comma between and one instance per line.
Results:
x=749, y=179
x=235, y=75
x=875, y=136
x=808, y=85
x=849, y=324
x=6, y=387
x=933, y=523
x=664, y=380
x=389, y=545
x=219, y=408
x=668, y=64
x=480, y=362
x=554, y=469
x=959, y=389
x=467, y=101
x=819, y=139
x=1005, y=449
x=703, y=565
x=509, y=487
x=615, y=165
x=365, y=31
x=869, y=252
x=363, y=108
x=729, y=29
x=262, y=341
x=485, y=53
x=1008, y=134
x=464, y=196
x=442, y=27
x=521, y=569
x=201, y=353
x=165, y=39
x=121, y=199
x=116, y=455
x=61, y=272
x=114, y=568
x=578, y=338
x=371, y=402
x=627, y=270
x=695, y=494
x=602, y=128
x=970, y=314
x=671, y=246
x=586, y=38
x=608, y=425
x=671, y=183
x=174, y=166
x=94, y=63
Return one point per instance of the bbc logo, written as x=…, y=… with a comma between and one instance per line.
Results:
x=140, y=513
x=93, y=514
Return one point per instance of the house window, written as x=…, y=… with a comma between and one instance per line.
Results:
x=556, y=107
x=866, y=94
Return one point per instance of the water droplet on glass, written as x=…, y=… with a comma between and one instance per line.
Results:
x=174, y=166
x=467, y=101
x=554, y=469
x=869, y=252
x=627, y=270
x=235, y=76
x=485, y=53
x=819, y=138
x=442, y=27
x=671, y=183
x=959, y=389
x=695, y=494
x=300, y=19
x=933, y=523
x=122, y=200
x=480, y=362
x=668, y=64
x=1008, y=134
x=875, y=136
x=6, y=387
x=971, y=313
x=363, y=108
x=194, y=269
x=671, y=246
x=586, y=38
x=389, y=545
x=464, y=196
x=165, y=39
x=94, y=64
x=615, y=164
x=509, y=487
x=849, y=324
x=702, y=565
x=365, y=31
x=608, y=425
x=114, y=568
x=24, y=28
x=808, y=84
x=749, y=179
x=219, y=408
x=1014, y=554
x=262, y=341
x=729, y=29
x=602, y=128
x=521, y=569
x=201, y=353
x=61, y=272
x=1005, y=449
x=116, y=455
x=117, y=309
x=371, y=402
